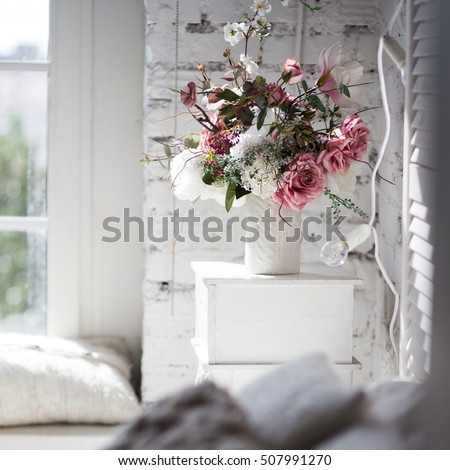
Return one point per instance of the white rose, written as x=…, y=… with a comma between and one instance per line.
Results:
x=186, y=176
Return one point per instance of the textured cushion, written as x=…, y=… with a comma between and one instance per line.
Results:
x=47, y=380
x=300, y=404
x=202, y=417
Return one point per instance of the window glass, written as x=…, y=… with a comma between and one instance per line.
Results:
x=23, y=143
x=24, y=27
x=23, y=281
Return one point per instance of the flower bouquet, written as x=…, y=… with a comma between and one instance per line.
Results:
x=285, y=141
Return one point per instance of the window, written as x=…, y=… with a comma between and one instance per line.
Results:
x=75, y=285
x=24, y=35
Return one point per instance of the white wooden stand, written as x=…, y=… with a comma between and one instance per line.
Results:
x=248, y=323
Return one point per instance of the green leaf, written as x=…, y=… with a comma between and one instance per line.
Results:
x=230, y=196
x=260, y=82
x=208, y=178
x=241, y=192
x=261, y=116
x=227, y=111
x=311, y=8
x=249, y=87
x=174, y=91
x=305, y=86
x=309, y=115
x=245, y=115
x=191, y=141
x=228, y=95
x=343, y=89
x=317, y=103
x=261, y=102
x=286, y=77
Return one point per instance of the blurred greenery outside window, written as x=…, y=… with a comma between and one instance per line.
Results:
x=24, y=34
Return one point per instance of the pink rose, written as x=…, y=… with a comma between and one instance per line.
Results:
x=334, y=159
x=276, y=94
x=355, y=131
x=303, y=181
x=292, y=67
x=188, y=95
x=348, y=145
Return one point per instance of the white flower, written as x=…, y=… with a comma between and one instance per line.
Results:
x=260, y=177
x=250, y=65
x=234, y=32
x=186, y=176
x=285, y=3
x=261, y=7
x=341, y=183
x=251, y=138
x=244, y=27
x=259, y=22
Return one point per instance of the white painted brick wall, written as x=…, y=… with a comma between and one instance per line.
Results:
x=168, y=361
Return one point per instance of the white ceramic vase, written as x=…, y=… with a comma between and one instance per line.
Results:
x=277, y=248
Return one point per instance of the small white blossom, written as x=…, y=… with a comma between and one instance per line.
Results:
x=261, y=7
x=250, y=65
x=234, y=32
x=244, y=27
x=260, y=22
x=258, y=174
x=285, y=3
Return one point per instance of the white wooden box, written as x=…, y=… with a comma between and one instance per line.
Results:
x=244, y=318
x=235, y=377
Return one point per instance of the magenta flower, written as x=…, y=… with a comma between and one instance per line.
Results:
x=303, y=181
x=221, y=142
x=291, y=66
x=334, y=72
x=188, y=95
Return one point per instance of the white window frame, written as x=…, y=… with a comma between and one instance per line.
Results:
x=94, y=288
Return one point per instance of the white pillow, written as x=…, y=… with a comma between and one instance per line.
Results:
x=48, y=380
x=299, y=404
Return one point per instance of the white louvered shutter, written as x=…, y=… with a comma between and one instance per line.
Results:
x=417, y=304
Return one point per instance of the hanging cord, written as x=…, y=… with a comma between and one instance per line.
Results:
x=175, y=131
x=373, y=180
